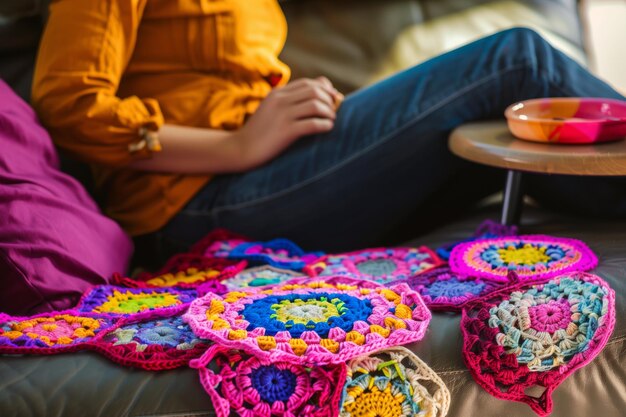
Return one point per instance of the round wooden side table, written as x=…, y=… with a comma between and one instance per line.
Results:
x=491, y=143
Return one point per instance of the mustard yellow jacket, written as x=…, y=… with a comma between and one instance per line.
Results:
x=108, y=68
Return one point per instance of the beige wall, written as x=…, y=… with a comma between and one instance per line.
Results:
x=606, y=21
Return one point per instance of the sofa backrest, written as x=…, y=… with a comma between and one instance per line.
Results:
x=353, y=42
x=356, y=42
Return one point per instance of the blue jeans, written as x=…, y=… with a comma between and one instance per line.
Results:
x=385, y=166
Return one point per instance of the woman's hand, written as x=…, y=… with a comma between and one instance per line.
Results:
x=303, y=107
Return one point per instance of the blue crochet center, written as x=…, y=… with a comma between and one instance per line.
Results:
x=273, y=384
x=259, y=312
x=454, y=288
x=165, y=332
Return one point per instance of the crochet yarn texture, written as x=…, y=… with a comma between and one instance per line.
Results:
x=50, y=333
x=152, y=343
x=185, y=271
x=381, y=265
x=443, y=290
x=114, y=301
x=537, y=336
x=530, y=256
x=313, y=322
x=393, y=383
x=259, y=387
x=260, y=276
x=279, y=253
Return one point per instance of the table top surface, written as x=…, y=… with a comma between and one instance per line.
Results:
x=491, y=143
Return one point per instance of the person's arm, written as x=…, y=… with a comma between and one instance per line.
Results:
x=301, y=108
x=83, y=53
x=84, y=50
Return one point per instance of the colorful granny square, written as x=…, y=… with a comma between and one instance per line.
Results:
x=380, y=265
x=253, y=386
x=260, y=276
x=531, y=256
x=279, y=253
x=49, y=333
x=393, y=382
x=152, y=343
x=537, y=335
x=486, y=230
x=114, y=301
x=185, y=271
x=442, y=289
x=316, y=322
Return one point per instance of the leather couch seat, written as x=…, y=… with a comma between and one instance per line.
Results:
x=86, y=384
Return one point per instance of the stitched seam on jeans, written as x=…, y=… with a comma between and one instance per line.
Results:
x=365, y=150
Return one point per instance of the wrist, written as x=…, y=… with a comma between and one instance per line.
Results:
x=242, y=153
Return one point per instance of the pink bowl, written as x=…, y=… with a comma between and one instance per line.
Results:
x=568, y=120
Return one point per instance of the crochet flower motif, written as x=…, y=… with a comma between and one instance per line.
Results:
x=259, y=277
x=537, y=335
x=442, y=289
x=279, y=253
x=393, y=382
x=253, y=386
x=186, y=271
x=152, y=344
x=118, y=301
x=530, y=256
x=381, y=265
x=50, y=332
x=312, y=322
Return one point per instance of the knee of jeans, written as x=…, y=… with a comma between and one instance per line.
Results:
x=523, y=37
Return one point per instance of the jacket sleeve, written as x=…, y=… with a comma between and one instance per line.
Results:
x=83, y=53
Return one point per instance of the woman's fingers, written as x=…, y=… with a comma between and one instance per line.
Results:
x=308, y=94
x=311, y=83
x=312, y=109
x=311, y=126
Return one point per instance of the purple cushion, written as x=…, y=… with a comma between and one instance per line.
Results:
x=54, y=242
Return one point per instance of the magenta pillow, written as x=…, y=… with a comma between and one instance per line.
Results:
x=54, y=242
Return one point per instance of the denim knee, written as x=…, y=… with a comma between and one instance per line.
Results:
x=530, y=47
x=521, y=36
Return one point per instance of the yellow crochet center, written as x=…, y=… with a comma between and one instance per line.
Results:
x=374, y=403
x=129, y=302
x=302, y=312
x=528, y=255
x=190, y=276
x=33, y=327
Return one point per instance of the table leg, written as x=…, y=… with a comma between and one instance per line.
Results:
x=513, y=198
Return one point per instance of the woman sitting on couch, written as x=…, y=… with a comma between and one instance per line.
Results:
x=191, y=122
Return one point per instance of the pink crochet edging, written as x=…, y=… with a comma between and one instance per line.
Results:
x=470, y=258
x=235, y=387
x=492, y=367
x=327, y=339
x=35, y=340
